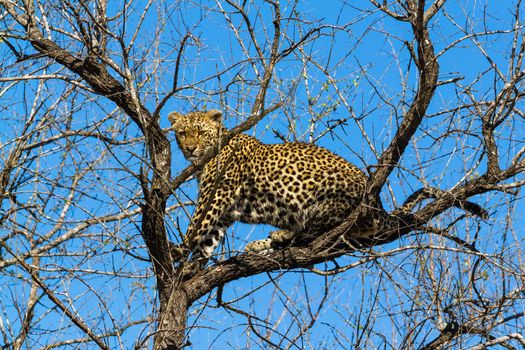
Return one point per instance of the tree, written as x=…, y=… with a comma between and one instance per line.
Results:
x=417, y=93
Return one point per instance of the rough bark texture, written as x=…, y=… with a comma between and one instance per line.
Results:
x=156, y=189
x=177, y=295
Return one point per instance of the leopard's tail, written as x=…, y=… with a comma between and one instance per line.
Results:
x=435, y=193
x=382, y=227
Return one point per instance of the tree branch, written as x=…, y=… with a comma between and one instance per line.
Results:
x=428, y=75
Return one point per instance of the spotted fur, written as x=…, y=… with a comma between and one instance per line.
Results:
x=300, y=188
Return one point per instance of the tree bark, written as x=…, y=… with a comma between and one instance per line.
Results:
x=176, y=295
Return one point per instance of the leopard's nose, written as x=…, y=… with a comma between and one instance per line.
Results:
x=191, y=148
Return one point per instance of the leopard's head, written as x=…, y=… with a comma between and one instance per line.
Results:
x=197, y=132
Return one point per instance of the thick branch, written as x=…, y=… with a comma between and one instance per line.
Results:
x=103, y=83
x=428, y=74
x=330, y=244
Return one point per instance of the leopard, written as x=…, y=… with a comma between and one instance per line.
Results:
x=299, y=188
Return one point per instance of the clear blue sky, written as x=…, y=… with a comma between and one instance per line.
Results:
x=373, y=70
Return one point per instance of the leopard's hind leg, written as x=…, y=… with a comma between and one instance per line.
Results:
x=278, y=239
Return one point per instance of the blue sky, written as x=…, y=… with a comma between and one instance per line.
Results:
x=372, y=69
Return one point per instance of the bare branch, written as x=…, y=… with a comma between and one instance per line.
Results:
x=74, y=318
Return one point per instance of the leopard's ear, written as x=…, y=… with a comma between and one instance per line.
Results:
x=214, y=116
x=172, y=117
